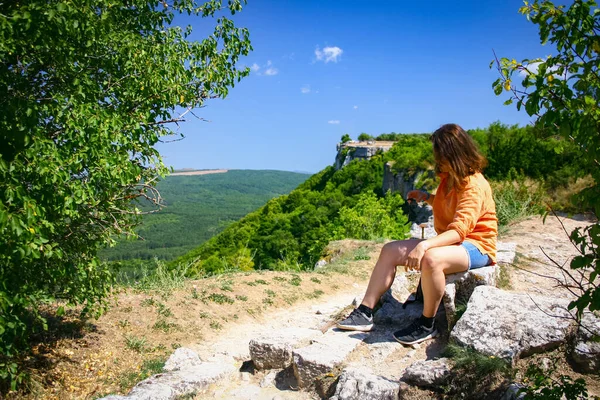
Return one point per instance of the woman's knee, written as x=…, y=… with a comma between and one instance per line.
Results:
x=395, y=251
x=432, y=262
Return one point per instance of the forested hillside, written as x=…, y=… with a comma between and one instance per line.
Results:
x=291, y=231
x=198, y=207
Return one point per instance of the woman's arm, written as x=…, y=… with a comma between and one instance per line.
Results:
x=421, y=195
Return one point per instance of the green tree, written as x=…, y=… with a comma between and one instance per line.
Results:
x=562, y=91
x=90, y=87
x=363, y=137
x=372, y=218
x=346, y=138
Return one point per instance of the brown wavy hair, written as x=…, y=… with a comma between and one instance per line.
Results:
x=451, y=144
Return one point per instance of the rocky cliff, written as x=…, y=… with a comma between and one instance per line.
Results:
x=395, y=181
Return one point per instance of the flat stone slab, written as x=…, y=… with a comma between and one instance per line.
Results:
x=362, y=384
x=173, y=384
x=275, y=350
x=323, y=355
x=511, y=325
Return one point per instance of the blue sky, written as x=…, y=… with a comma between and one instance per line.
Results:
x=325, y=68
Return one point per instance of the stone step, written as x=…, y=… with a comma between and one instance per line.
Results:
x=274, y=350
x=323, y=355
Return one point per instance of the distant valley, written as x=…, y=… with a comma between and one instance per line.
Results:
x=198, y=205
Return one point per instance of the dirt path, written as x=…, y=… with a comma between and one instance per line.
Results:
x=539, y=246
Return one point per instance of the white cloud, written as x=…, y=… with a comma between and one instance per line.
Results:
x=255, y=67
x=328, y=54
x=333, y=122
x=305, y=89
x=269, y=63
x=355, y=107
x=530, y=69
x=533, y=68
x=271, y=71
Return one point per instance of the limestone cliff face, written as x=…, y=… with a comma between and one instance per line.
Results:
x=346, y=152
x=401, y=182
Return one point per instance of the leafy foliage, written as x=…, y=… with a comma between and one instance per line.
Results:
x=90, y=87
x=541, y=386
x=563, y=91
x=372, y=218
x=514, y=151
x=363, y=137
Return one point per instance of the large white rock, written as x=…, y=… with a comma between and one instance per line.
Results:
x=182, y=358
x=428, y=373
x=586, y=351
x=274, y=350
x=323, y=355
x=460, y=286
x=398, y=291
x=511, y=325
x=362, y=384
x=174, y=384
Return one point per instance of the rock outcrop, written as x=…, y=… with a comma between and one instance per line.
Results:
x=511, y=325
x=349, y=151
x=428, y=373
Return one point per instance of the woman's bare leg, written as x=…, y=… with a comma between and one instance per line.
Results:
x=435, y=265
x=392, y=254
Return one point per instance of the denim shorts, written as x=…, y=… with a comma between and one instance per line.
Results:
x=476, y=258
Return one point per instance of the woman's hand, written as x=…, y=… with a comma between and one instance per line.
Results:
x=413, y=262
x=418, y=195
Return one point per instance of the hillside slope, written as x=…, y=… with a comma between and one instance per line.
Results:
x=199, y=206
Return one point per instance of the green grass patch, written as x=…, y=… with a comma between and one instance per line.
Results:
x=295, y=280
x=220, y=298
x=241, y=297
x=516, y=201
x=475, y=374
x=504, y=278
x=164, y=326
x=315, y=294
x=137, y=344
x=149, y=368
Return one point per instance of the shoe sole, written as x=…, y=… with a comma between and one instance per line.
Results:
x=430, y=336
x=361, y=328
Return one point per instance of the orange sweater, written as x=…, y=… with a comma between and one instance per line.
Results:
x=471, y=212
